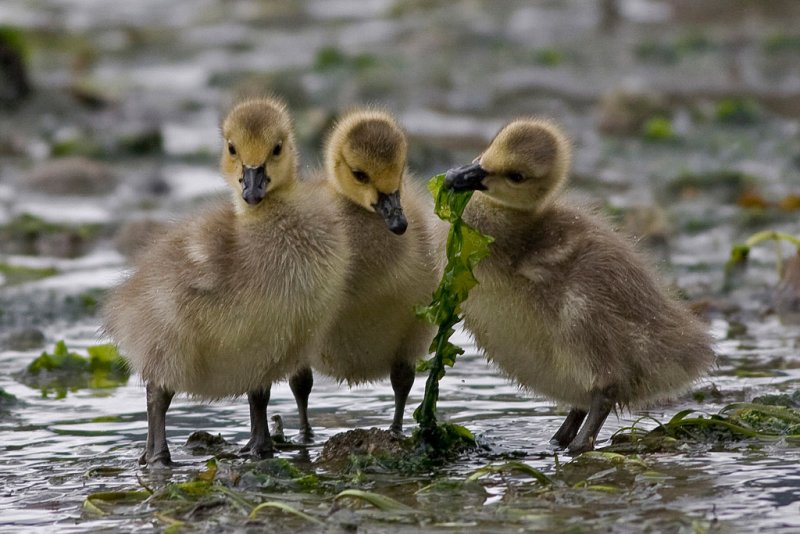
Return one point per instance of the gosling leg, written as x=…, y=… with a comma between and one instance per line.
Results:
x=301, y=384
x=156, y=452
x=402, y=377
x=260, y=444
x=598, y=412
x=569, y=428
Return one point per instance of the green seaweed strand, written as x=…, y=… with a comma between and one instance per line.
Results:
x=465, y=248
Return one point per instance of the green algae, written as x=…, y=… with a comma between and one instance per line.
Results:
x=659, y=130
x=740, y=252
x=62, y=370
x=733, y=423
x=24, y=233
x=465, y=248
x=738, y=111
x=18, y=274
x=7, y=401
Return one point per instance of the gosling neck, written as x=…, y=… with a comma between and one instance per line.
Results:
x=249, y=214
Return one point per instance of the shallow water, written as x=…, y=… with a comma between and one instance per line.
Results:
x=452, y=72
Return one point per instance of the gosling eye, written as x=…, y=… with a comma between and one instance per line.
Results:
x=515, y=177
x=231, y=149
x=278, y=149
x=360, y=176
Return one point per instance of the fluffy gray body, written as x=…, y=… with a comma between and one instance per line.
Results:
x=566, y=307
x=388, y=276
x=222, y=306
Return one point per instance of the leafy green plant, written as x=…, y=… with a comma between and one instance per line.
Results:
x=740, y=111
x=740, y=252
x=465, y=248
x=658, y=129
x=62, y=370
x=512, y=466
x=18, y=274
x=382, y=502
x=735, y=422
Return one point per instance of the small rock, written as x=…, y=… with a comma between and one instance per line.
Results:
x=27, y=339
x=362, y=442
x=202, y=442
x=72, y=176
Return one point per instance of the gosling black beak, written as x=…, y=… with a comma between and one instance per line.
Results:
x=466, y=178
x=388, y=206
x=254, y=184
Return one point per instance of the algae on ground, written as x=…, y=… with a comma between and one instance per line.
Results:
x=736, y=422
x=17, y=274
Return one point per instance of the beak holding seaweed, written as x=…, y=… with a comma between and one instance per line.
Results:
x=466, y=178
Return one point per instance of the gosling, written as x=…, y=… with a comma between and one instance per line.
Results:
x=229, y=301
x=393, y=265
x=565, y=306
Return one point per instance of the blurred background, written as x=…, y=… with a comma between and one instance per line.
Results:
x=684, y=113
x=685, y=117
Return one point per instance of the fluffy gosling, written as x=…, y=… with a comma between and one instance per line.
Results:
x=565, y=306
x=393, y=265
x=231, y=299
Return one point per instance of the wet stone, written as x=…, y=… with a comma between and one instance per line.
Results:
x=25, y=339
x=373, y=442
x=202, y=442
x=72, y=176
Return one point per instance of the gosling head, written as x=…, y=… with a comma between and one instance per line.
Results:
x=258, y=153
x=365, y=159
x=524, y=167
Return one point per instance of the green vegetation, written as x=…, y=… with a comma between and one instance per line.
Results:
x=740, y=252
x=671, y=52
x=778, y=43
x=735, y=422
x=62, y=371
x=548, y=57
x=658, y=129
x=242, y=489
x=331, y=58
x=17, y=274
x=465, y=248
x=738, y=111
x=7, y=401
x=143, y=143
x=77, y=146
x=23, y=233
x=15, y=39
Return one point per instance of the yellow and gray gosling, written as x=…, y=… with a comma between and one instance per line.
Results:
x=393, y=263
x=565, y=306
x=232, y=299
